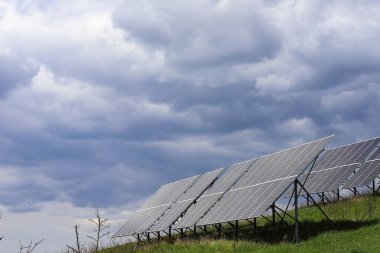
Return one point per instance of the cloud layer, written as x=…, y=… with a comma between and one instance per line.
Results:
x=102, y=102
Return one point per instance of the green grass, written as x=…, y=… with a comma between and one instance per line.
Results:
x=355, y=229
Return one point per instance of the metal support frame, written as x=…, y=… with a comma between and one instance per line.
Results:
x=204, y=229
x=354, y=191
x=296, y=211
x=323, y=197
x=231, y=224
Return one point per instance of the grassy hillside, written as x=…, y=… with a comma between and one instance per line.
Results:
x=355, y=228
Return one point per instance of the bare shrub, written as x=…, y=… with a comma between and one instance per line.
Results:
x=100, y=230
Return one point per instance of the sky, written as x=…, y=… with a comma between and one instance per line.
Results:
x=101, y=102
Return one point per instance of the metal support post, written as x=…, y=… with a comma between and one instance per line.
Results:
x=273, y=221
x=337, y=193
x=323, y=197
x=205, y=228
x=170, y=232
x=195, y=231
x=255, y=225
x=307, y=201
x=355, y=191
x=138, y=238
x=296, y=224
x=182, y=233
x=158, y=236
x=236, y=230
x=148, y=236
x=373, y=187
x=219, y=230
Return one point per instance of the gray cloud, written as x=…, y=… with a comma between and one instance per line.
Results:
x=120, y=104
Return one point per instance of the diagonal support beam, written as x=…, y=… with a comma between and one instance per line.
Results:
x=315, y=202
x=285, y=213
x=281, y=218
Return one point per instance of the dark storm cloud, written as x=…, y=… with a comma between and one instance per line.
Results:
x=132, y=96
x=14, y=72
x=200, y=35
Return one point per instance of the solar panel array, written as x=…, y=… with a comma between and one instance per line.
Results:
x=264, y=182
x=336, y=165
x=247, y=189
x=155, y=206
x=365, y=175
x=175, y=211
x=212, y=195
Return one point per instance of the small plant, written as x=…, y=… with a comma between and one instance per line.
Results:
x=101, y=225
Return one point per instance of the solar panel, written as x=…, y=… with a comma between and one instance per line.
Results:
x=376, y=155
x=264, y=182
x=344, y=155
x=181, y=205
x=329, y=179
x=336, y=165
x=365, y=175
x=155, y=206
x=212, y=195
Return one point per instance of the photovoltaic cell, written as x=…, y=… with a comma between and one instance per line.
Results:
x=365, y=175
x=181, y=205
x=155, y=207
x=213, y=194
x=263, y=183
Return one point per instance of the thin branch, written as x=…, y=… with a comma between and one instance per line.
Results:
x=78, y=249
x=1, y=216
x=29, y=248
